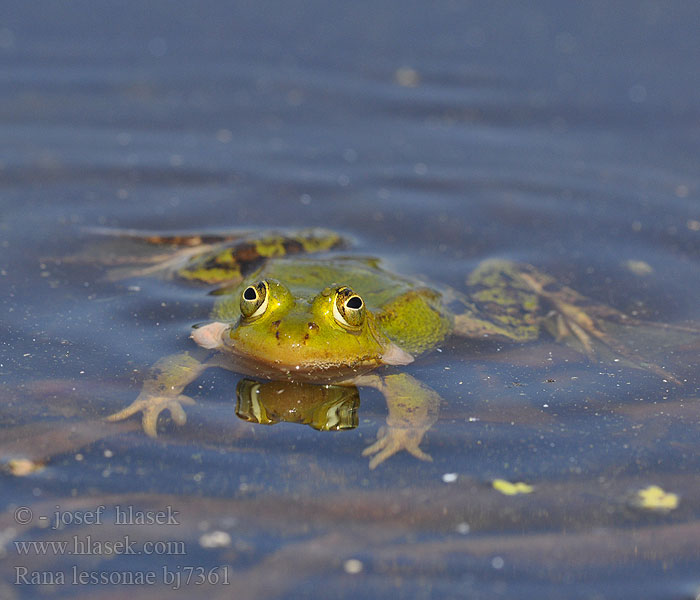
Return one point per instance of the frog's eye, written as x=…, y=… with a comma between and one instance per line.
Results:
x=254, y=300
x=348, y=308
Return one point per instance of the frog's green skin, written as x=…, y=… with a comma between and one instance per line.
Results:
x=300, y=338
x=305, y=331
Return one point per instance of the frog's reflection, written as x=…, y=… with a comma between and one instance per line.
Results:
x=323, y=407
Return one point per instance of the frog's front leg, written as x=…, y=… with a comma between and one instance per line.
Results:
x=163, y=391
x=413, y=409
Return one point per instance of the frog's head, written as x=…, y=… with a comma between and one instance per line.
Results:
x=331, y=334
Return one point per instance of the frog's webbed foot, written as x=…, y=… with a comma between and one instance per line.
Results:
x=162, y=390
x=151, y=407
x=413, y=409
x=391, y=440
x=226, y=259
x=573, y=316
x=135, y=253
x=157, y=264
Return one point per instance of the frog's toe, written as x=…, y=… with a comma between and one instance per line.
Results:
x=157, y=406
x=177, y=413
x=418, y=453
x=383, y=451
x=391, y=440
x=380, y=449
x=159, y=264
x=125, y=413
x=570, y=323
x=567, y=328
x=150, y=423
x=151, y=407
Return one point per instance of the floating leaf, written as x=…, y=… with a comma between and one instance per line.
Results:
x=656, y=498
x=511, y=489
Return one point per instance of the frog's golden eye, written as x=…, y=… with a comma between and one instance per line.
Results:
x=254, y=300
x=348, y=308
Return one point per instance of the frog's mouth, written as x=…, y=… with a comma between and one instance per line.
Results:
x=213, y=337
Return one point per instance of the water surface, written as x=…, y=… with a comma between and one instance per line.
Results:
x=435, y=135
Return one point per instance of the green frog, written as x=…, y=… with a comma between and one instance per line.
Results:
x=289, y=309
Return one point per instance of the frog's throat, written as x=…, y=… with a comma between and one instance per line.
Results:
x=393, y=355
x=212, y=337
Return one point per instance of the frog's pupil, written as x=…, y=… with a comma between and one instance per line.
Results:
x=250, y=294
x=355, y=302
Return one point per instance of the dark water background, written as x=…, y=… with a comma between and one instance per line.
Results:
x=435, y=134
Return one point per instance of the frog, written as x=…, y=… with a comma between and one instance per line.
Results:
x=325, y=407
x=289, y=307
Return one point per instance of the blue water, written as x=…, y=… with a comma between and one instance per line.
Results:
x=435, y=135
